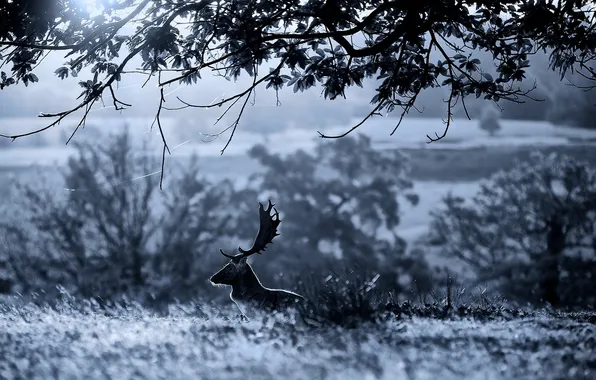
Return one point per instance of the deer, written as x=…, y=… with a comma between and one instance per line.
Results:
x=247, y=291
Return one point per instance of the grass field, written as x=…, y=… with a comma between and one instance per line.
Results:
x=45, y=343
x=65, y=343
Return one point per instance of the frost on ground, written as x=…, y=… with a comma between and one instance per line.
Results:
x=50, y=343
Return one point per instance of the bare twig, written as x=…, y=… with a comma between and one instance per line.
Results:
x=237, y=121
x=157, y=120
x=91, y=98
x=82, y=121
x=371, y=113
x=447, y=123
x=116, y=101
x=412, y=101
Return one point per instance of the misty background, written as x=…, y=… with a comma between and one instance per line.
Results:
x=473, y=256
x=90, y=217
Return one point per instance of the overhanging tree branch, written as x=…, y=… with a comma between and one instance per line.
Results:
x=237, y=39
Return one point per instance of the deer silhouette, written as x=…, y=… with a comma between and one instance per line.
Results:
x=248, y=293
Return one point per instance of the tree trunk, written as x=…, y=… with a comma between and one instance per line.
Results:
x=549, y=284
x=137, y=259
x=137, y=268
x=5, y=286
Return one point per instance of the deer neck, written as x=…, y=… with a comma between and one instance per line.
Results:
x=247, y=285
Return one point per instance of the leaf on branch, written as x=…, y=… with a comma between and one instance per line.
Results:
x=235, y=39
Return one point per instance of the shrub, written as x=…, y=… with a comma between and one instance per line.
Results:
x=345, y=298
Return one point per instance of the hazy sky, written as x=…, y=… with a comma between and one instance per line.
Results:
x=51, y=94
x=308, y=110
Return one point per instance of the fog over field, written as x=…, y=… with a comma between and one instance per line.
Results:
x=481, y=338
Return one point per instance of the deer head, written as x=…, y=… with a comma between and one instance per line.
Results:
x=237, y=268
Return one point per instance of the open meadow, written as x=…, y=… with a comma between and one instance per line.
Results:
x=64, y=343
x=79, y=340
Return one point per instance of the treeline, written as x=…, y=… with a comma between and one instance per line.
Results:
x=103, y=229
x=113, y=232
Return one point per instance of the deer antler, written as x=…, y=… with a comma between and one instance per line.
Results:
x=226, y=255
x=267, y=230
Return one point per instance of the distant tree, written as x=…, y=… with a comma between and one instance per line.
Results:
x=105, y=229
x=569, y=99
x=333, y=43
x=489, y=120
x=338, y=205
x=573, y=102
x=525, y=227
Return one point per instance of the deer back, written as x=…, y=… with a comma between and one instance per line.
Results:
x=278, y=299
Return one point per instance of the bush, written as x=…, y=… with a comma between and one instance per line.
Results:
x=346, y=298
x=351, y=297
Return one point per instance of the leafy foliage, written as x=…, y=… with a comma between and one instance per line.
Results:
x=522, y=226
x=405, y=46
x=112, y=232
x=341, y=203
